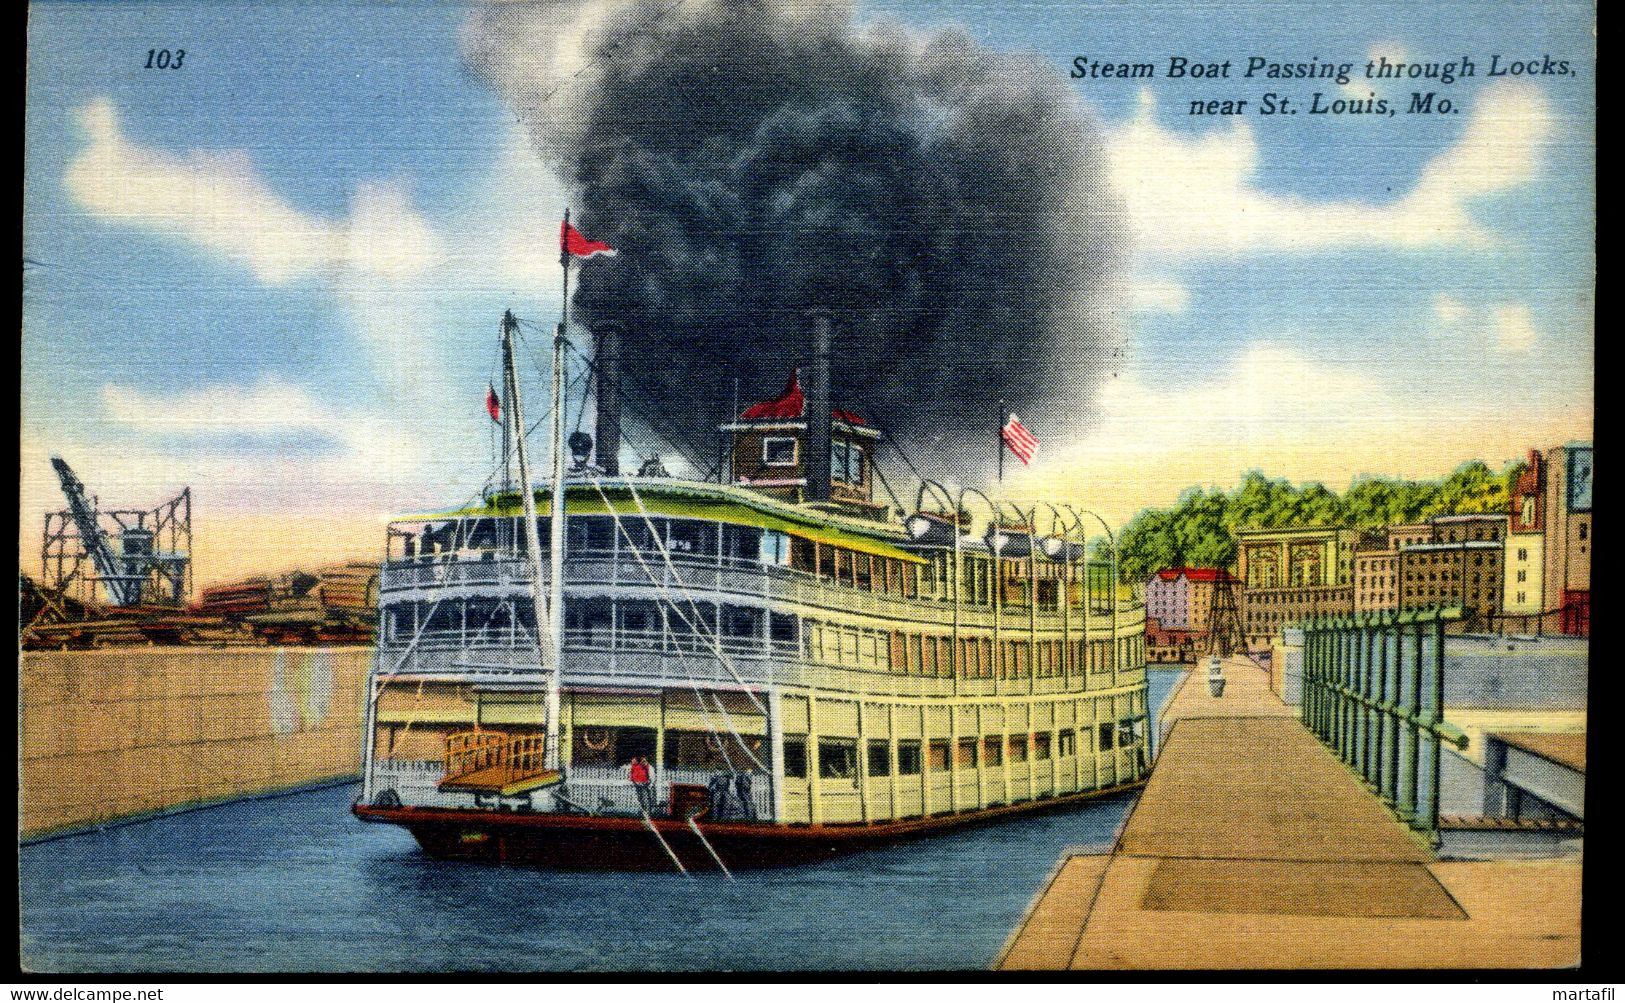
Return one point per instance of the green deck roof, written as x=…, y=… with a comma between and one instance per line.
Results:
x=715, y=502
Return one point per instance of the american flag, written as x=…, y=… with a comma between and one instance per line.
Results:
x=1021, y=442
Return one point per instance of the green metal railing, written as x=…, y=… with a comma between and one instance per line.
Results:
x=1373, y=692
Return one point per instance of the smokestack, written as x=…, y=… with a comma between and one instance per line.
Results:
x=608, y=334
x=817, y=406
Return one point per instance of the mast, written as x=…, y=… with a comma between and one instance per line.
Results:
x=533, y=541
x=551, y=756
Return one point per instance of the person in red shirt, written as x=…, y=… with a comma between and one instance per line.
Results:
x=641, y=784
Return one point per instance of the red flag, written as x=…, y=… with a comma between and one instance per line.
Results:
x=571, y=242
x=492, y=406
x=1021, y=442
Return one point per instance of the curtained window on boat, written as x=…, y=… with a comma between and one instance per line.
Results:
x=908, y=757
x=838, y=758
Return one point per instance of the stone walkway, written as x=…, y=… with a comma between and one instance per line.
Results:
x=1254, y=847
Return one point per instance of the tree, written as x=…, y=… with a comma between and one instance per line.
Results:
x=1199, y=530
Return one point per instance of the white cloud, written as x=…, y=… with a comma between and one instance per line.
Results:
x=1450, y=311
x=1158, y=295
x=1290, y=414
x=1198, y=196
x=271, y=407
x=286, y=417
x=1515, y=331
x=218, y=202
x=1508, y=327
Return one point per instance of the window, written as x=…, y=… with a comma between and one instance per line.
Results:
x=966, y=755
x=1584, y=529
x=1067, y=744
x=837, y=759
x=779, y=451
x=993, y=751
x=908, y=756
x=846, y=462
x=939, y=754
x=1041, y=746
x=1523, y=553
x=795, y=757
x=879, y=757
x=1018, y=748
x=1106, y=731
x=690, y=536
x=1523, y=576
x=775, y=548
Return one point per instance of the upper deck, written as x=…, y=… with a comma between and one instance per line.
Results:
x=742, y=588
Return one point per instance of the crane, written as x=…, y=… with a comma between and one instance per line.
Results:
x=141, y=573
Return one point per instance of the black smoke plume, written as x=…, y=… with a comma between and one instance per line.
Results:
x=751, y=159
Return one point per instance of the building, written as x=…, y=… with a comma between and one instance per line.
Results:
x=1408, y=534
x=1183, y=599
x=1476, y=527
x=1566, y=515
x=1524, y=565
x=1465, y=573
x=1168, y=644
x=1167, y=599
x=1291, y=574
x=1525, y=560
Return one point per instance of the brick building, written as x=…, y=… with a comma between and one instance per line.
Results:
x=1291, y=574
x=1179, y=609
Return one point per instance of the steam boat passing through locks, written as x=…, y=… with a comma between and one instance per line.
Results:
x=770, y=668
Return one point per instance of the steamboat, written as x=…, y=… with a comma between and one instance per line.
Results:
x=651, y=672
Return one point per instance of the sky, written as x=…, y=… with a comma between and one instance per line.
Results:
x=275, y=273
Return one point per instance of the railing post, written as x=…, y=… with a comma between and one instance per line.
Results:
x=1379, y=755
x=1429, y=822
x=1346, y=705
x=1411, y=701
x=1368, y=645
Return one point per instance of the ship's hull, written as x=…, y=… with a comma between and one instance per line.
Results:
x=622, y=843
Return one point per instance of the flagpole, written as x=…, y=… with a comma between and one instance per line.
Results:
x=552, y=753
x=998, y=438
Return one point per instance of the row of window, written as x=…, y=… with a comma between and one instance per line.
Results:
x=838, y=757
x=645, y=624
x=928, y=655
x=845, y=458
x=1288, y=598
x=726, y=543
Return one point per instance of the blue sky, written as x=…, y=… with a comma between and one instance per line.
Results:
x=1319, y=297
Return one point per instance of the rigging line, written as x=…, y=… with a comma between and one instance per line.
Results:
x=693, y=626
x=666, y=556
x=623, y=391
x=682, y=657
x=863, y=403
x=875, y=466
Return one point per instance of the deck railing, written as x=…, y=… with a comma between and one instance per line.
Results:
x=470, y=752
x=1373, y=692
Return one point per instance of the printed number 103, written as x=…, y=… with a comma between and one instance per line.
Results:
x=163, y=59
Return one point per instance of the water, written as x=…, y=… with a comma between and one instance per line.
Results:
x=296, y=884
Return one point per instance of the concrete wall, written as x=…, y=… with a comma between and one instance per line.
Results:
x=1547, y=673
x=125, y=732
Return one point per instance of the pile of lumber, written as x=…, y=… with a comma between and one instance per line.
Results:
x=337, y=604
x=251, y=596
